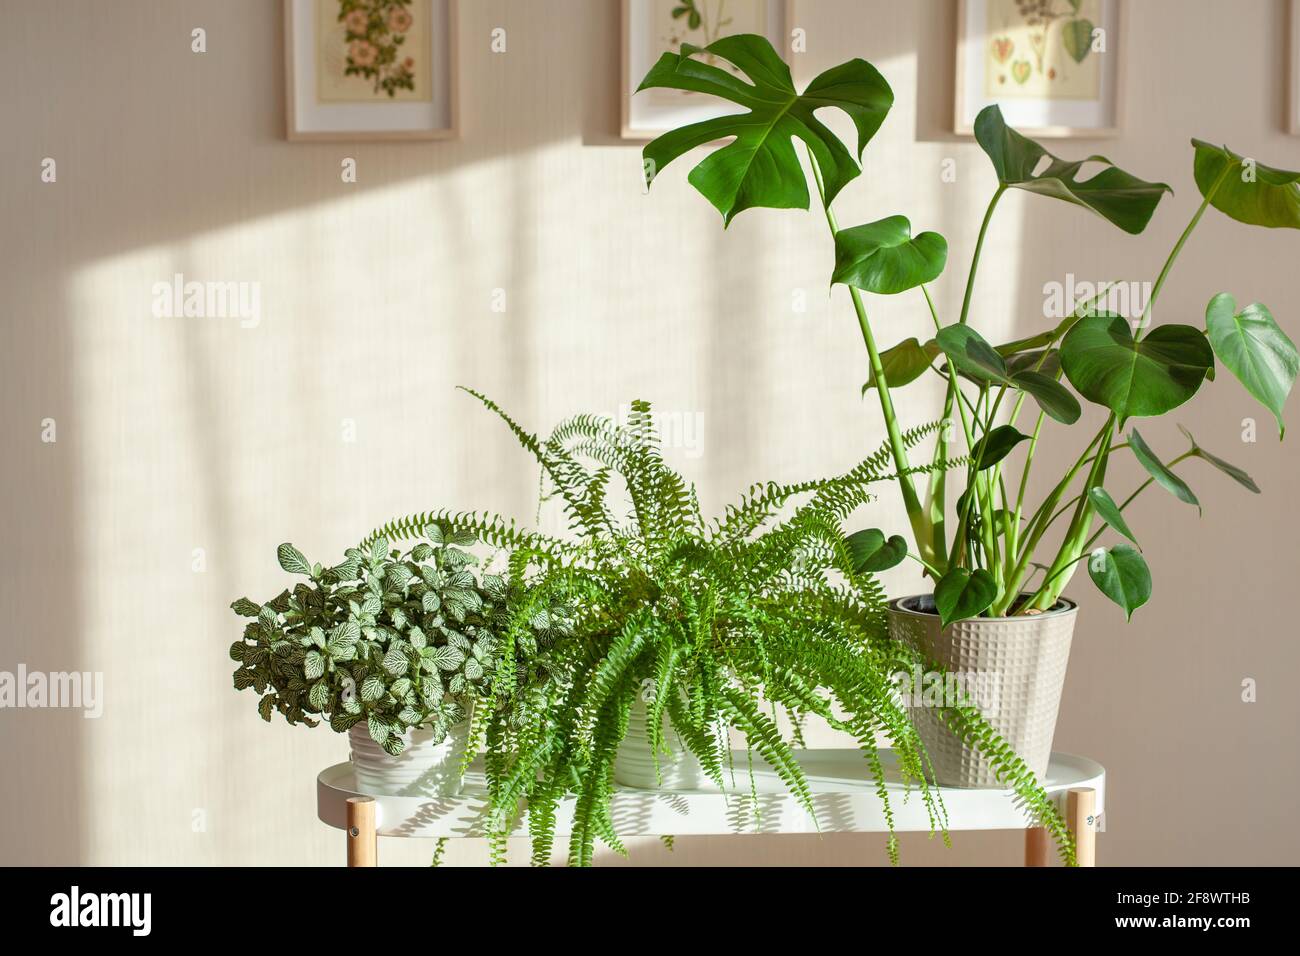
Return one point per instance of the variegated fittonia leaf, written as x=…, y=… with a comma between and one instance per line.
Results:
x=343, y=644
x=372, y=688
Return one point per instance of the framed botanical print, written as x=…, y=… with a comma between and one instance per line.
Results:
x=1055, y=67
x=370, y=69
x=654, y=27
x=1293, y=101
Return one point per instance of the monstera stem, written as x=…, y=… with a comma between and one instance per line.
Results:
x=1178, y=247
x=975, y=258
x=921, y=530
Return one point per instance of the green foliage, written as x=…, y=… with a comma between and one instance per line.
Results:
x=1246, y=190
x=759, y=166
x=1231, y=470
x=1110, y=512
x=1115, y=195
x=1115, y=362
x=397, y=640
x=905, y=362
x=883, y=257
x=1121, y=574
x=962, y=593
x=1255, y=350
x=1159, y=471
x=720, y=624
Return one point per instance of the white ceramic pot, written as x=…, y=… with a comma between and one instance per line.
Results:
x=634, y=766
x=424, y=769
x=1011, y=668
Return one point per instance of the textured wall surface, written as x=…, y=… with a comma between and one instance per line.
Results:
x=376, y=299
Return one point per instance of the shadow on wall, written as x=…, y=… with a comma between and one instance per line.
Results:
x=158, y=151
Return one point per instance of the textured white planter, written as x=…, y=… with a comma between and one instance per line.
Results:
x=423, y=769
x=635, y=765
x=1012, y=667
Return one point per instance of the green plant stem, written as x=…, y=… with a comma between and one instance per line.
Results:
x=1081, y=522
x=937, y=493
x=1087, y=548
x=915, y=514
x=1036, y=527
x=1178, y=247
x=975, y=257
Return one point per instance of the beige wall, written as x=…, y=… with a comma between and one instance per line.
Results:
x=180, y=434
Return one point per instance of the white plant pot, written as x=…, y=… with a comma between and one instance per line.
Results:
x=1011, y=668
x=424, y=769
x=634, y=766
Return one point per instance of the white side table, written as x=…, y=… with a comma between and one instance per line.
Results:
x=843, y=795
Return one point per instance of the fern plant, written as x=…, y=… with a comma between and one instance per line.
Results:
x=719, y=625
x=397, y=640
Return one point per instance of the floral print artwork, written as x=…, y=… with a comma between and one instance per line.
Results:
x=701, y=22
x=1042, y=49
x=374, y=50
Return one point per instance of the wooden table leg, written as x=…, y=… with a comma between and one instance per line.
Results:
x=1081, y=815
x=363, y=845
x=1038, y=846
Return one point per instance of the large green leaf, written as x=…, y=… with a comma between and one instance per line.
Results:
x=1121, y=573
x=884, y=258
x=1255, y=350
x=1255, y=194
x=905, y=363
x=1229, y=469
x=871, y=552
x=1113, y=194
x=759, y=167
x=1135, y=377
x=1159, y=471
x=962, y=593
x=1109, y=511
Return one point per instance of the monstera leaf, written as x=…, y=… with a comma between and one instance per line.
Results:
x=759, y=167
x=1255, y=350
x=975, y=358
x=905, y=363
x=884, y=258
x=1158, y=470
x=1113, y=194
x=1122, y=575
x=871, y=552
x=1110, y=512
x=1247, y=191
x=972, y=354
x=996, y=445
x=1132, y=377
x=1229, y=469
x=962, y=594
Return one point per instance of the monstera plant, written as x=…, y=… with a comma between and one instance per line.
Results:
x=981, y=549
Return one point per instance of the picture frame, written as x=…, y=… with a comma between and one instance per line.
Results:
x=1293, y=100
x=1057, y=82
x=645, y=117
x=332, y=96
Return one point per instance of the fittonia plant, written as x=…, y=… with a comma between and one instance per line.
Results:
x=981, y=552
